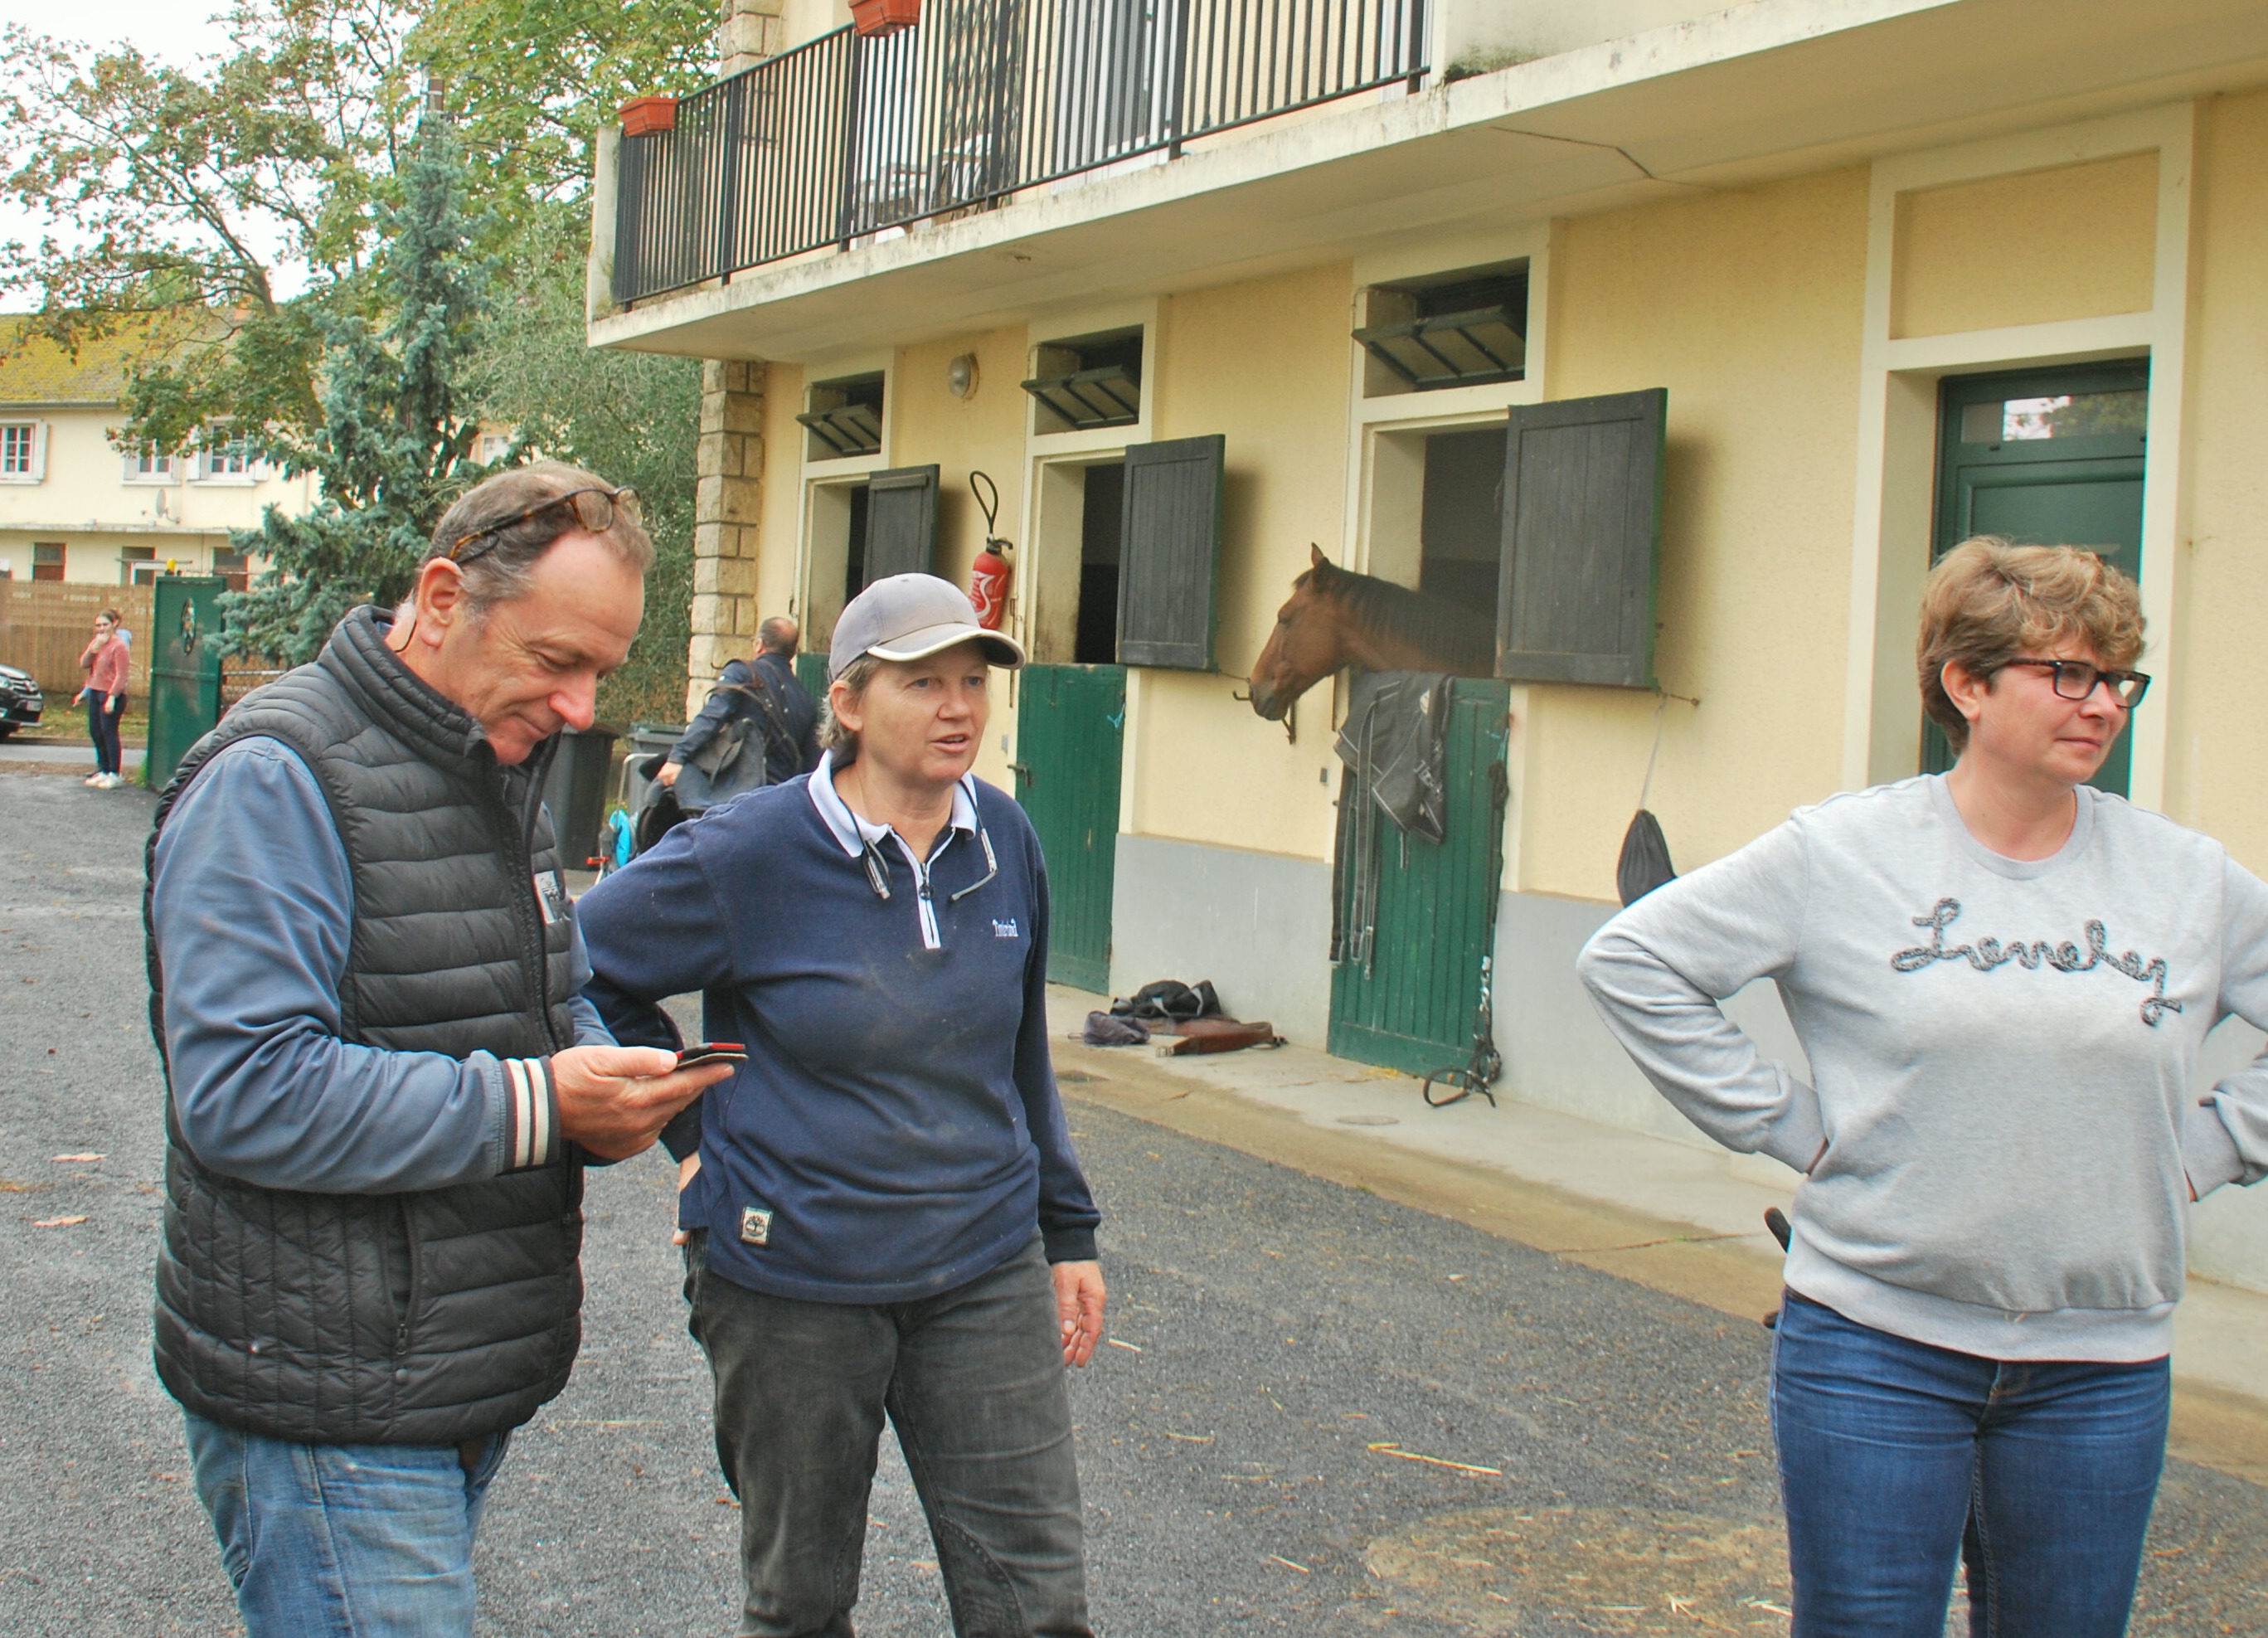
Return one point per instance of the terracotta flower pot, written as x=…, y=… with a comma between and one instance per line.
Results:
x=874, y=17
x=643, y=117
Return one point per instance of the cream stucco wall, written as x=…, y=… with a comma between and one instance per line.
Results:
x=1746, y=305
x=1266, y=363
x=2216, y=775
x=982, y=432
x=2078, y=241
x=84, y=502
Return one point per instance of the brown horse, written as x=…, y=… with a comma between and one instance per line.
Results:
x=1336, y=617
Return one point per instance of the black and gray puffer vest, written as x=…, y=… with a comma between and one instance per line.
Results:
x=431, y=1317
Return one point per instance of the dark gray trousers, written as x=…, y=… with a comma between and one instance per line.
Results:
x=973, y=1382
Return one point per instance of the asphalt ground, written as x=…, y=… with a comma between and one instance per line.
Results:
x=1320, y=1412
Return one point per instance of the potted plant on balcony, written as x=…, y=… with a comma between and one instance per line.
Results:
x=644, y=116
x=873, y=18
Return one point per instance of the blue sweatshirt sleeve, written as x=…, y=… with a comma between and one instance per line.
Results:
x=1068, y=1216
x=252, y=910
x=654, y=931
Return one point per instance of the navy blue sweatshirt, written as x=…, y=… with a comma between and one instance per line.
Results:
x=896, y=1131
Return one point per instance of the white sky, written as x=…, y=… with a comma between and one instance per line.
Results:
x=178, y=32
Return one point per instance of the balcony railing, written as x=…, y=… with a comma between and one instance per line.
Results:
x=846, y=136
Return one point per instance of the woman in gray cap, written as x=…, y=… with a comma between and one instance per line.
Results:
x=882, y=1210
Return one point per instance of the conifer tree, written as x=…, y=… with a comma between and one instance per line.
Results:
x=393, y=447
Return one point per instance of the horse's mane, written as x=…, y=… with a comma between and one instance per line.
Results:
x=1454, y=633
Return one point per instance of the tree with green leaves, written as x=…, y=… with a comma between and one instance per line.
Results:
x=394, y=446
x=633, y=419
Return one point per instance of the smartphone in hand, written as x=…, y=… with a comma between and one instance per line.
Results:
x=713, y=1052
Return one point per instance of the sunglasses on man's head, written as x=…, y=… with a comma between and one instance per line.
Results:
x=595, y=509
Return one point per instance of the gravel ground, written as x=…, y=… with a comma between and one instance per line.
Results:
x=1321, y=1414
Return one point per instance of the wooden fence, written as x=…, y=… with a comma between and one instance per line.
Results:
x=44, y=624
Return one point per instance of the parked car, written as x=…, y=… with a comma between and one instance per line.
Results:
x=20, y=701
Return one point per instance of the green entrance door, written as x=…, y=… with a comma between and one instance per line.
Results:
x=2046, y=458
x=1407, y=1002
x=184, y=670
x=1070, y=733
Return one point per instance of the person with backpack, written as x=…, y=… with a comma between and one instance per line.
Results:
x=763, y=693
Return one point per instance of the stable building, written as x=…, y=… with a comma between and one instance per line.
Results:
x=1671, y=341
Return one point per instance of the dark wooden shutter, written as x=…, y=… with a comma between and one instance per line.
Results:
x=900, y=523
x=1582, y=537
x=1169, y=553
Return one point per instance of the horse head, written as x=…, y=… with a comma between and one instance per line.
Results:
x=1306, y=644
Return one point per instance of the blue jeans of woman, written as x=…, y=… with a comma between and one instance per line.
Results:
x=102, y=728
x=345, y=1540
x=1899, y=1461
x=972, y=1379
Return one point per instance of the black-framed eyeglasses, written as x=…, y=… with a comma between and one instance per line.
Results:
x=2076, y=679
x=595, y=509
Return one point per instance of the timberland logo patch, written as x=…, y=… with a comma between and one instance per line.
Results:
x=756, y=1225
x=1987, y=954
x=1005, y=929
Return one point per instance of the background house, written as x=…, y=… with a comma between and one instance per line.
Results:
x=1783, y=298
x=75, y=507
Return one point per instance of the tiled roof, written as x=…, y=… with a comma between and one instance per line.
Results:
x=35, y=371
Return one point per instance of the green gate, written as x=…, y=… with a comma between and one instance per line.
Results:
x=184, y=670
x=1407, y=1002
x=1070, y=728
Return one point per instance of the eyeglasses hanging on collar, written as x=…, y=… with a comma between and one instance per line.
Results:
x=877, y=868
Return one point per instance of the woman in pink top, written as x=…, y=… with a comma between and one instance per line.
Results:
x=104, y=661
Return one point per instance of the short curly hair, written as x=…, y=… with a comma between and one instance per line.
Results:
x=1988, y=599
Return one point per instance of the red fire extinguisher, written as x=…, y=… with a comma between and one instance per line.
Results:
x=988, y=584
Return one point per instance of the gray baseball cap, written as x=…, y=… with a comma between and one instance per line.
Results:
x=911, y=616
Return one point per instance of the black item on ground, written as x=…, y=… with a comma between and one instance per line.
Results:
x=1109, y=1030
x=1645, y=864
x=574, y=791
x=1169, y=998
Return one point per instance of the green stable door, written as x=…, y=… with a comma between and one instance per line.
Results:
x=1071, y=731
x=2046, y=458
x=1407, y=999
x=184, y=670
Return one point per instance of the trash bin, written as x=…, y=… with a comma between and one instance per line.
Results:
x=574, y=790
x=647, y=739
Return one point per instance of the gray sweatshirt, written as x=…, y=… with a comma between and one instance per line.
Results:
x=2001, y=1050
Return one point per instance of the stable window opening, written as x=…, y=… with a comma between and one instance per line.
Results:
x=845, y=418
x=1084, y=383
x=1465, y=329
x=837, y=566
x=1460, y=518
x=1101, y=519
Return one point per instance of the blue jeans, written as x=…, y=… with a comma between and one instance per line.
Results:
x=102, y=728
x=358, y=1540
x=973, y=1380
x=1892, y=1451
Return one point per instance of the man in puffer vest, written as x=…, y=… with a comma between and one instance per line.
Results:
x=363, y=974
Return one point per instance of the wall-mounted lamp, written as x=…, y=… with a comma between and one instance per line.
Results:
x=960, y=376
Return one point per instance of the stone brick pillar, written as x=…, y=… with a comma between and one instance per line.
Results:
x=729, y=461
x=750, y=30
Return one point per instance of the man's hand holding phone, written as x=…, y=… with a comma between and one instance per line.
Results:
x=615, y=1100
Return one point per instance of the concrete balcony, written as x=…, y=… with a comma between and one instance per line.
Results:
x=1525, y=118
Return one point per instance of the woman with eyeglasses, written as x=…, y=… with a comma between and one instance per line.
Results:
x=881, y=1211
x=2000, y=976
